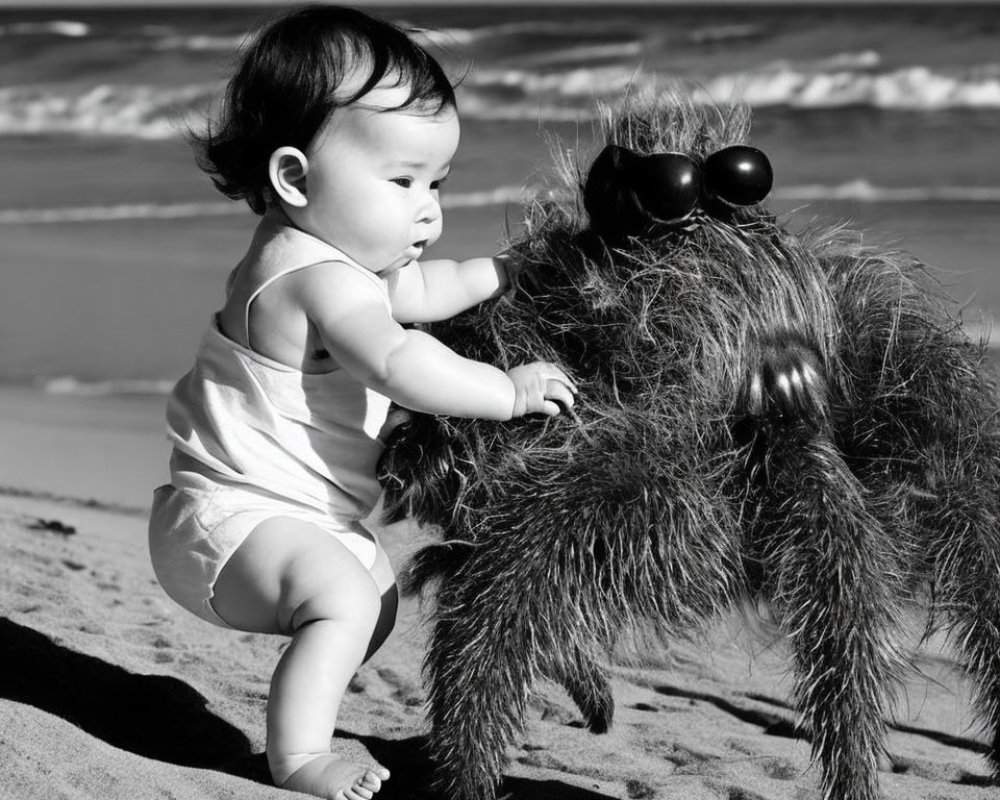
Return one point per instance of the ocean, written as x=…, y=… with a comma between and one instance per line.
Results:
x=114, y=247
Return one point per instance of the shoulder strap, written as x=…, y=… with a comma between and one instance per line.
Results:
x=292, y=250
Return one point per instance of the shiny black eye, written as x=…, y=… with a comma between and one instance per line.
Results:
x=609, y=200
x=739, y=175
x=666, y=184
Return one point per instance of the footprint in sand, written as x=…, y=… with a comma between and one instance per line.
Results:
x=636, y=789
x=403, y=689
x=780, y=770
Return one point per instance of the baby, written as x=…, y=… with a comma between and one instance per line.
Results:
x=339, y=131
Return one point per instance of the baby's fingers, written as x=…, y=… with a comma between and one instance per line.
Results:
x=552, y=373
x=558, y=396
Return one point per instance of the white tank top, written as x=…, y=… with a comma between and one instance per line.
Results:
x=242, y=418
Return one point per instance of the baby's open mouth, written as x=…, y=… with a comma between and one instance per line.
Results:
x=415, y=250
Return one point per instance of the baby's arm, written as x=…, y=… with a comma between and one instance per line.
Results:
x=411, y=367
x=428, y=291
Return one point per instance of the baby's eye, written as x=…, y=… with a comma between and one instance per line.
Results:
x=437, y=184
x=406, y=183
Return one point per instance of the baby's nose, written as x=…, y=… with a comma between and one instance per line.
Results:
x=430, y=211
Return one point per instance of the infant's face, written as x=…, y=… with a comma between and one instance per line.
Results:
x=373, y=178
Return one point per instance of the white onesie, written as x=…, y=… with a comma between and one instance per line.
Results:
x=255, y=439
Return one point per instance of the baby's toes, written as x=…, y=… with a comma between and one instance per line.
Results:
x=358, y=792
x=367, y=785
x=373, y=778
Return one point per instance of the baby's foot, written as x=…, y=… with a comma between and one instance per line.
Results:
x=333, y=778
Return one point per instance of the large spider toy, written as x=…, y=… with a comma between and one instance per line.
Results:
x=766, y=419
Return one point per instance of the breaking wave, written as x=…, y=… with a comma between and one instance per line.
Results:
x=143, y=112
x=55, y=27
x=845, y=81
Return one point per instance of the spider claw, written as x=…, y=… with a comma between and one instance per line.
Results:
x=789, y=384
x=755, y=398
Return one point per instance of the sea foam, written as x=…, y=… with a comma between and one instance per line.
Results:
x=847, y=80
x=55, y=27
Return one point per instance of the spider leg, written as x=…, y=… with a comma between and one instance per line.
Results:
x=479, y=669
x=589, y=688
x=941, y=491
x=972, y=600
x=500, y=624
x=831, y=575
x=554, y=579
x=922, y=423
x=960, y=521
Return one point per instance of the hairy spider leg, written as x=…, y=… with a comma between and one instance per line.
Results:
x=833, y=582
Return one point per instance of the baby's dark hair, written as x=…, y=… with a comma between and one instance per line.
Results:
x=288, y=81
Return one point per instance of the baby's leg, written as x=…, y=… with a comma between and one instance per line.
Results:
x=294, y=578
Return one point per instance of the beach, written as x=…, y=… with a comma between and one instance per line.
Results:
x=113, y=254
x=108, y=690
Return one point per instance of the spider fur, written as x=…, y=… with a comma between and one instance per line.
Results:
x=766, y=418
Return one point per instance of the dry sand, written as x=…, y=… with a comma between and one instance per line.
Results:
x=109, y=691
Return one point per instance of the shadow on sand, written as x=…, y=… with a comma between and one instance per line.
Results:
x=155, y=716
x=163, y=718
x=407, y=761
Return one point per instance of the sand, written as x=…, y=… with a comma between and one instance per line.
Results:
x=110, y=691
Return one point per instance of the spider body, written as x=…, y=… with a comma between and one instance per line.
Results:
x=790, y=419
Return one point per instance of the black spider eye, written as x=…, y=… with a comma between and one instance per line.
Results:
x=610, y=202
x=739, y=175
x=666, y=185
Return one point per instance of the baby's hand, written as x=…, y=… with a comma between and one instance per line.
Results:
x=540, y=387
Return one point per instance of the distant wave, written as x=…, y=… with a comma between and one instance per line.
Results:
x=113, y=213
x=169, y=38
x=144, y=112
x=588, y=82
x=841, y=81
x=68, y=385
x=714, y=34
x=125, y=211
x=487, y=197
x=584, y=54
x=201, y=42
x=864, y=191
x=858, y=60
x=438, y=37
x=850, y=79
x=55, y=27
x=915, y=88
x=563, y=29
x=859, y=190
x=442, y=37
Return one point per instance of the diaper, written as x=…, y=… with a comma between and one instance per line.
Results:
x=193, y=532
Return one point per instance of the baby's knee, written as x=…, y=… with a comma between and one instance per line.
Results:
x=353, y=602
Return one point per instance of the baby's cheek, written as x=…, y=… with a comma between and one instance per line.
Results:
x=436, y=231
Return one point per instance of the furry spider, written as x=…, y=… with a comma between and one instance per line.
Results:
x=772, y=419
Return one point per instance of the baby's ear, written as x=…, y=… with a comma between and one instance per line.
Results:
x=287, y=170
